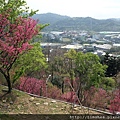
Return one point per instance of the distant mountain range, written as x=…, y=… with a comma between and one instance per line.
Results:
x=60, y=23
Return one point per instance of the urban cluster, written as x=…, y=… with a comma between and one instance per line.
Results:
x=96, y=42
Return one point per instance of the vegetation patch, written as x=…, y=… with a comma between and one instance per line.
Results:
x=21, y=103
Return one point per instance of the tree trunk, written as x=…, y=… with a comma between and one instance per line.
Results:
x=9, y=86
x=63, y=87
x=7, y=77
x=72, y=82
x=79, y=93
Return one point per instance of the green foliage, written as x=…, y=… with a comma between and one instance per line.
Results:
x=57, y=64
x=15, y=8
x=89, y=69
x=31, y=61
x=90, y=72
x=108, y=83
x=70, y=61
x=72, y=74
x=57, y=81
x=42, y=26
x=71, y=54
x=86, y=66
x=18, y=74
x=38, y=37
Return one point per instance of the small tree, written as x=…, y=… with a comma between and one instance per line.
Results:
x=14, y=40
x=31, y=62
x=90, y=72
x=70, y=59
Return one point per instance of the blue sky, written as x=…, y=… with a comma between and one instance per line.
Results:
x=99, y=9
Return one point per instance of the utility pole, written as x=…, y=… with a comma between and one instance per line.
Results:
x=47, y=84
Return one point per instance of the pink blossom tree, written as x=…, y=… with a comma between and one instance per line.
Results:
x=14, y=40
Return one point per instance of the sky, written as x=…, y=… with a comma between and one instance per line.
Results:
x=99, y=9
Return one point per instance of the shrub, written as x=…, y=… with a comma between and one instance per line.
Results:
x=115, y=103
x=70, y=97
x=32, y=85
x=53, y=91
x=96, y=98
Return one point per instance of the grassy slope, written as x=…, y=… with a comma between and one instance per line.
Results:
x=22, y=103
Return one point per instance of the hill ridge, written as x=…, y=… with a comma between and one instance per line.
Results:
x=60, y=23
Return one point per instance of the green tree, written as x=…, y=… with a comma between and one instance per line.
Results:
x=30, y=62
x=70, y=66
x=113, y=64
x=89, y=70
x=58, y=72
x=108, y=83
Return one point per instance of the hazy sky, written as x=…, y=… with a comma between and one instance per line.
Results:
x=100, y=9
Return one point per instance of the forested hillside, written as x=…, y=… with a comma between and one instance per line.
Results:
x=59, y=22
